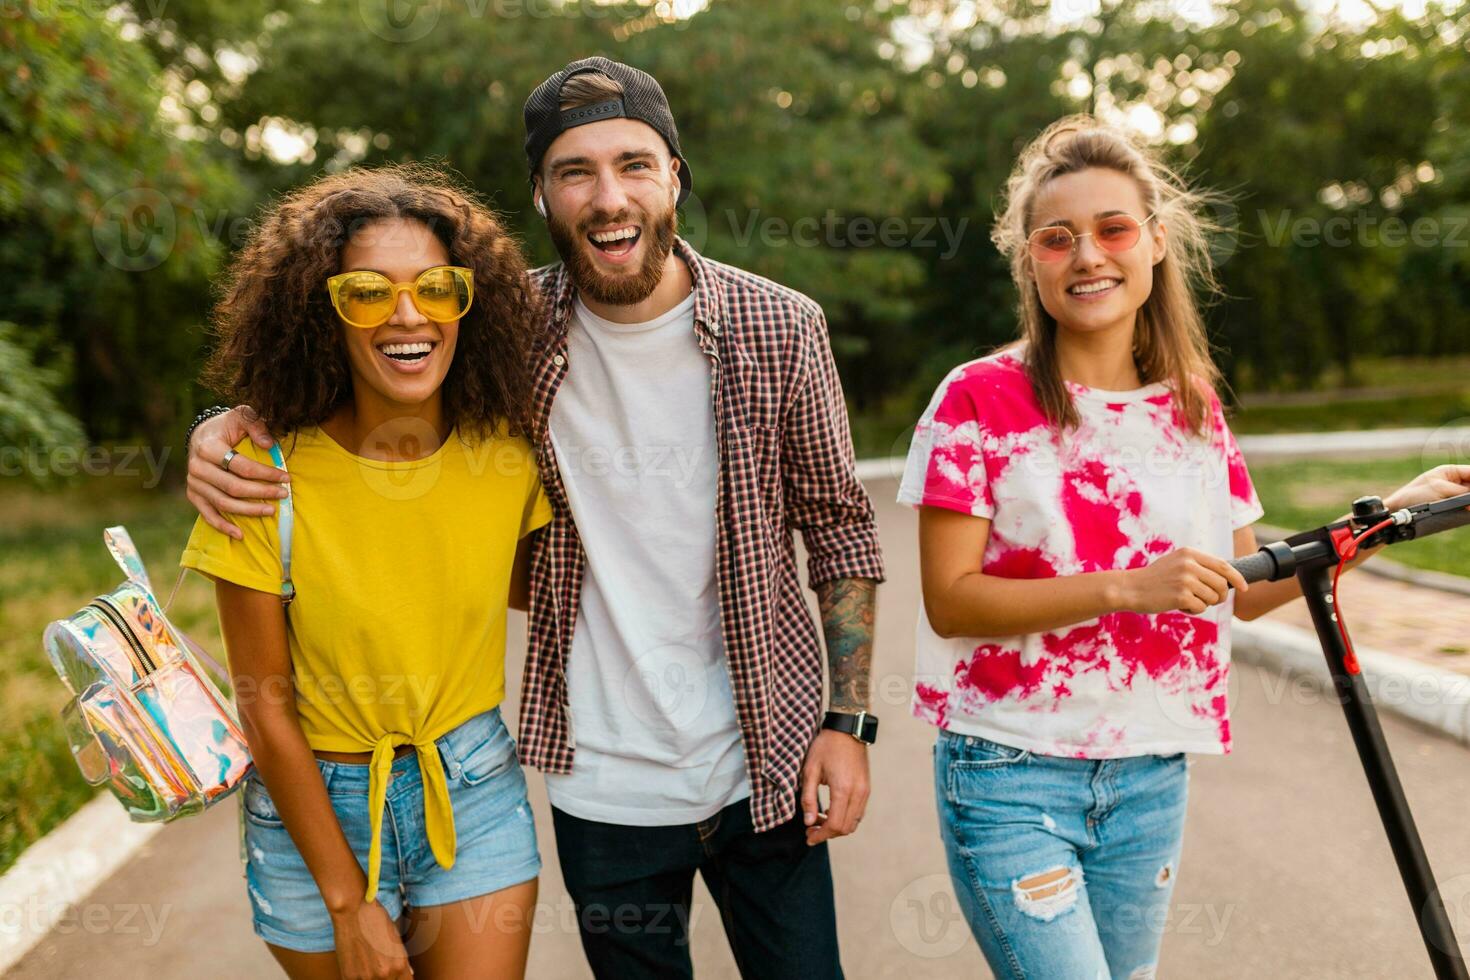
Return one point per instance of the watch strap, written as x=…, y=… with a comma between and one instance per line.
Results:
x=861, y=725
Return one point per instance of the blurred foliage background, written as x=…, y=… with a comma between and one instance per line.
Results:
x=851, y=150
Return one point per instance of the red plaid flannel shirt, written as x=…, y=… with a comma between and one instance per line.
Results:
x=786, y=461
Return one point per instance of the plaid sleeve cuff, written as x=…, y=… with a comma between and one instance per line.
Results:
x=848, y=551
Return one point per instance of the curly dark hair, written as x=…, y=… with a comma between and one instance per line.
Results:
x=279, y=348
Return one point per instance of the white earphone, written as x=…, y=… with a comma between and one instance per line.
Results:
x=541, y=206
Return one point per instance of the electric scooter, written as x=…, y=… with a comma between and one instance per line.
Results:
x=1317, y=558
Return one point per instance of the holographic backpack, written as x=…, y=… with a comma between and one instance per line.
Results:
x=145, y=719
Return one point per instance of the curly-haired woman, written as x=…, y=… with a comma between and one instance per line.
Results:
x=379, y=321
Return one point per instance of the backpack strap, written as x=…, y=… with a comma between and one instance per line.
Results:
x=220, y=676
x=120, y=543
x=285, y=521
x=126, y=554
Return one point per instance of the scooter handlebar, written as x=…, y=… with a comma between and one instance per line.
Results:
x=1443, y=521
x=1280, y=559
x=1257, y=567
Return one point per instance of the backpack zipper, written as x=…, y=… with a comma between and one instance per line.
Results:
x=115, y=616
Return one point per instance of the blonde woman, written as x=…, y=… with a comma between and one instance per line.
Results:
x=1080, y=494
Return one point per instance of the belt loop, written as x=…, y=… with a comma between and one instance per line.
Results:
x=445, y=753
x=328, y=770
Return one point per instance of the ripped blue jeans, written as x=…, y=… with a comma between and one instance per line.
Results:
x=1063, y=867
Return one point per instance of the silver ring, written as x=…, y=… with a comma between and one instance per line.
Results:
x=225, y=463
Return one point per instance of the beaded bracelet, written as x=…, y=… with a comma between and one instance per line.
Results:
x=208, y=413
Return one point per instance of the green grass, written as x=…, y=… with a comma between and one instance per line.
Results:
x=54, y=562
x=1407, y=411
x=881, y=435
x=1413, y=393
x=1388, y=372
x=1307, y=494
x=878, y=435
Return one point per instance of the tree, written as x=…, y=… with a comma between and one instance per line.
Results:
x=31, y=418
x=792, y=121
x=1329, y=136
x=103, y=221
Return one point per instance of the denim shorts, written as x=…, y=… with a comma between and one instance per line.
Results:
x=494, y=831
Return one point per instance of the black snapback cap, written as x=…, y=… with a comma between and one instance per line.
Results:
x=642, y=99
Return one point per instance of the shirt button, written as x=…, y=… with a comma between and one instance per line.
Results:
x=714, y=328
x=558, y=360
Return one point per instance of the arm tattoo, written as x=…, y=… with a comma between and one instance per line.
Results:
x=847, y=620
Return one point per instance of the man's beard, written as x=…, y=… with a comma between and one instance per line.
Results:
x=616, y=290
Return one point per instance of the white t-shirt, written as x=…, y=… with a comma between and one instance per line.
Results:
x=652, y=714
x=1130, y=484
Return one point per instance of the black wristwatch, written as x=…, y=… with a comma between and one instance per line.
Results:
x=861, y=726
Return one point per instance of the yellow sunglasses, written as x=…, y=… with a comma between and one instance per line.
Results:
x=367, y=299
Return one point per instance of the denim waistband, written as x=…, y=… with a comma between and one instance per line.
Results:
x=354, y=776
x=954, y=744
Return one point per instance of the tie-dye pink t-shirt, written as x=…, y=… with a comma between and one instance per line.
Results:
x=1128, y=485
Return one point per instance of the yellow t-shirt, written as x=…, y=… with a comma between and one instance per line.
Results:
x=402, y=574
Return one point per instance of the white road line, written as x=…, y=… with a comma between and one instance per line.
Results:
x=1433, y=697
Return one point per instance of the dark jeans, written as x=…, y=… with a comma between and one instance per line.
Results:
x=632, y=887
